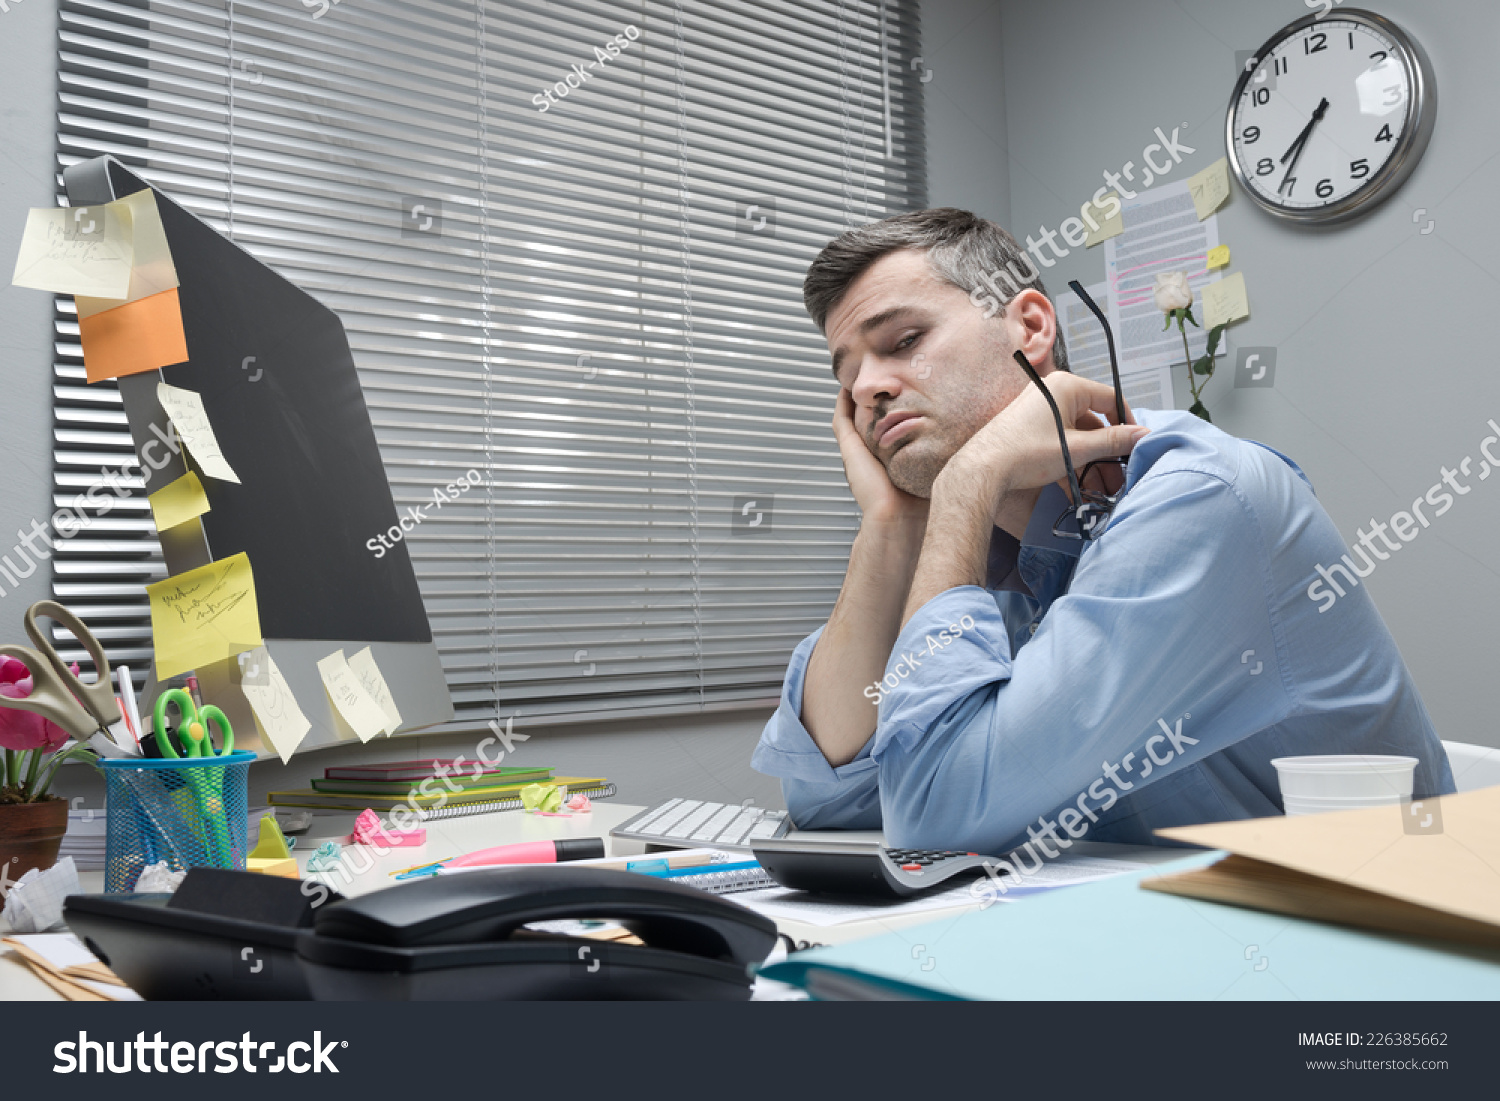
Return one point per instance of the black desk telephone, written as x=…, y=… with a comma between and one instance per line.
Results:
x=236, y=935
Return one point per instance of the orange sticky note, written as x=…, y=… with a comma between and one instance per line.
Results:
x=138, y=336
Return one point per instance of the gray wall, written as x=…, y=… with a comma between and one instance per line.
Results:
x=1384, y=334
x=964, y=107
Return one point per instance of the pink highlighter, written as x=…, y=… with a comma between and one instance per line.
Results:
x=533, y=852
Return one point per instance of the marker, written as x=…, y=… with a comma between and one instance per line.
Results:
x=526, y=852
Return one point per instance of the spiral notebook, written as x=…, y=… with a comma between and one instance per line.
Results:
x=454, y=810
x=724, y=879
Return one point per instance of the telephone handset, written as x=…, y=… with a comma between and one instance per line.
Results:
x=453, y=937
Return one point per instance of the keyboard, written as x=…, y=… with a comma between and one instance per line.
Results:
x=874, y=871
x=694, y=823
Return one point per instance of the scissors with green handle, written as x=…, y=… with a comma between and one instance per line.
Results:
x=193, y=728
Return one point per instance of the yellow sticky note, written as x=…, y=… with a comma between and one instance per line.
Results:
x=1210, y=188
x=151, y=270
x=373, y=682
x=1218, y=257
x=75, y=250
x=1225, y=300
x=187, y=413
x=281, y=721
x=1108, y=227
x=354, y=704
x=178, y=502
x=203, y=616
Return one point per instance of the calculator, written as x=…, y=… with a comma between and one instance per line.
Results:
x=875, y=871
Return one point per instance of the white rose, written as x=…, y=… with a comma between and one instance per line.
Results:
x=1172, y=291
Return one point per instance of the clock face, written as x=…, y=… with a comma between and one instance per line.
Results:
x=1325, y=123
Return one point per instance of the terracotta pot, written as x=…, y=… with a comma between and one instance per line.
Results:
x=30, y=835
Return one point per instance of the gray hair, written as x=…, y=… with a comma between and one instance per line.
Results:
x=971, y=253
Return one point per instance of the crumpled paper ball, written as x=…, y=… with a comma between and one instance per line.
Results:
x=543, y=798
x=159, y=878
x=34, y=902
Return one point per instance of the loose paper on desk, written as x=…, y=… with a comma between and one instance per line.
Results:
x=1088, y=352
x=133, y=338
x=187, y=413
x=151, y=270
x=1210, y=188
x=354, y=704
x=204, y=615
x=75, y=250
x=1225, y=301
x=1161, y=234
x=1108, y=227
x=370, y=678
x=280, y=719
x=178, y=502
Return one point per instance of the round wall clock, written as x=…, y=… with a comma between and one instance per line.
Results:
x=1331, y=117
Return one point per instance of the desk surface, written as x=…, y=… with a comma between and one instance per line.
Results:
x=364, y=872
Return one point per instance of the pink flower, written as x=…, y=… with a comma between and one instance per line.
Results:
x=19, y=729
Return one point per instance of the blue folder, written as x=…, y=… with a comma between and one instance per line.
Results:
x=1113, y=940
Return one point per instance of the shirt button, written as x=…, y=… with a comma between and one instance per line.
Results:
x=1033, y=628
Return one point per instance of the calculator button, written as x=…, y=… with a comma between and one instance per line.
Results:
x=911, y=867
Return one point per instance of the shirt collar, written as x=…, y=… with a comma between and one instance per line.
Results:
x=1036, y=561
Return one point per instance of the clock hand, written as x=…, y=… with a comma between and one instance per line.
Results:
x=1294, y=151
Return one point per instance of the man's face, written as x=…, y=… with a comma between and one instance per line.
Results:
x=925, y=369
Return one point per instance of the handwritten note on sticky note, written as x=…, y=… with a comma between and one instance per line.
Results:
x=1218, y=257
x=1225, y=301
x=204, y=615
x=152, y=270
x=178, y=502
x=280, y=720
x=1108, y=227
x=373, y=682
x=1210, y=188
x=187, y=413
x=354, y=704
x=138, y=336
x=75, y=250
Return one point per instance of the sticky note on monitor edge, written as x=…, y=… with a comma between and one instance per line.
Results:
x=204, y=615
x=75, y=250
x=185, y=408
x=353, y=704
x=178, y=502
x=373, y=681
x=278, y=716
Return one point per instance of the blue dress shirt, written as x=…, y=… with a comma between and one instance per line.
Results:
x=1103, y=690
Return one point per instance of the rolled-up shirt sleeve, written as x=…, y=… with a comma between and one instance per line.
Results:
x=818, y=796
x=976, y=743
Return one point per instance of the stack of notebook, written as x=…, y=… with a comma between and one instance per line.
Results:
x=433, y=786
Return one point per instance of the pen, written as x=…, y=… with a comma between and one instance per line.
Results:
x=192, y=683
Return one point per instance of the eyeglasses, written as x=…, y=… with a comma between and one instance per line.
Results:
x=1090, y=508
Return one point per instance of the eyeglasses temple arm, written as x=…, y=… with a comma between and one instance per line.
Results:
x=1114, y=364
x=1062, y=437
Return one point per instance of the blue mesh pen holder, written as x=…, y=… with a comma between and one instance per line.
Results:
x=189, y=812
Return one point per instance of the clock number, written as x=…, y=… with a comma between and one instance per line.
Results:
x=1378, y=56
x=1385, y=133
x=1251, y=135
x=1287, y=185
x=1324, y=188
x=1359, y=169
x=1264, y=167
x=1260, y=96
x=1281, y=66
x=1309, y=48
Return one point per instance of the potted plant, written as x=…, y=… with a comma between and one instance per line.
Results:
x=32, y=822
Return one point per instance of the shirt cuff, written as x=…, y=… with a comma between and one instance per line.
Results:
x=786, y=749
x=955, y=645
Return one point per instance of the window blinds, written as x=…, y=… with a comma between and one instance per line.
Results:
x=567, y=243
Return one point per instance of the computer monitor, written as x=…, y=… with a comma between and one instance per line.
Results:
x=312, y=486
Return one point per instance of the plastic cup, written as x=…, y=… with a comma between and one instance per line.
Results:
x=1343, y=782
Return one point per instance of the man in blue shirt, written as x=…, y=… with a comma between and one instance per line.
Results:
x=984, y=683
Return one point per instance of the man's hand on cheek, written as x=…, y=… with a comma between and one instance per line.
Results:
x=1018, y=449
